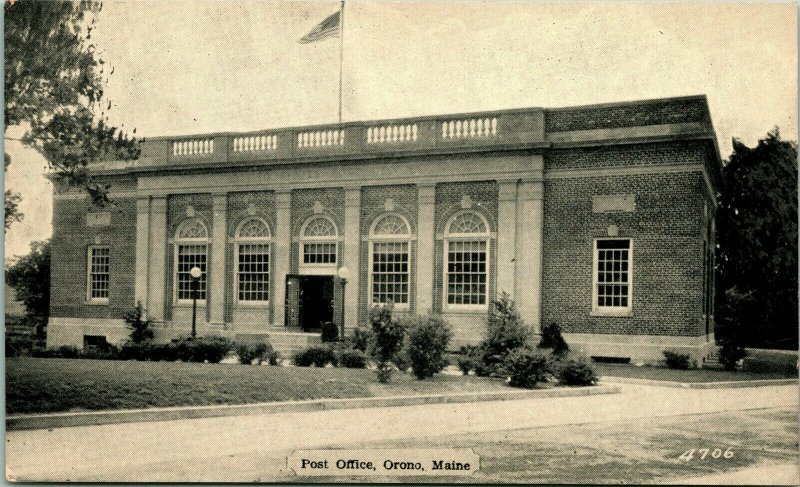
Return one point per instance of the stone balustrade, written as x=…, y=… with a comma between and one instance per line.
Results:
x=450, y=132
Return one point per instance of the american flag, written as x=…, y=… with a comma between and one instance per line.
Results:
x=326, y=29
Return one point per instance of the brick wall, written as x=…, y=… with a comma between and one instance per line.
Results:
x=484, y=196
x=263, y=204
x=626, y=155
x=373, y=199
x=202, y=204
x=70, y=242
x=655, y=112
x=667, y=253
x=332, y=200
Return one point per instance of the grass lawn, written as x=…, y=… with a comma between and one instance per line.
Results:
x=36, y=385
x=629, y=452
x=691, y=375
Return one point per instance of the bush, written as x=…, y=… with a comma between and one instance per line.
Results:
x=359, y=340
x=209, y=349
x=526, y=367
x=730, y=353
x=552, y=339
x=106, y=352
x=17, y=345
x=428, y=338
x=351, y=358
x=140, y=328
x=675, y=360
x=318, y=356
x=64, y=351
x=388, y=340
x=469, y=358
x=330, y=332
x=505, y=332
x=259, y=352
x=575, y=372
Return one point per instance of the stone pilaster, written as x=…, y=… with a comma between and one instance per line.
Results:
x=426, y=232
x=217, y=272
x=142, y=250
x=283, y=243
x=157, y=277
x=352, y=243
x=506, y=238
x=530, y=221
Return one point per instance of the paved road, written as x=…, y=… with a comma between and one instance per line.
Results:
x=254, y=447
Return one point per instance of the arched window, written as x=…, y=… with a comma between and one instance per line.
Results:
x=318, y=242
x=466, y=248
x=191, y=249
x=252, y=261
x=390, y=239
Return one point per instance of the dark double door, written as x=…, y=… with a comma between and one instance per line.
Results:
x=309, y=301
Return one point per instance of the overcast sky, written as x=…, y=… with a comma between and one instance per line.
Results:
x=206, y=66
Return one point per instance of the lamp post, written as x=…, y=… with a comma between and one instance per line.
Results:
x=195, y=272
x=343, y=273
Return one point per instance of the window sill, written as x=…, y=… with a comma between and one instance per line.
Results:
x=252, y=304
x=611, y=313
x=470, y=309
x=96, y=302
x=188, y=304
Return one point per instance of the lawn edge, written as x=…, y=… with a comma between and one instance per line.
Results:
x=699, y=385
x=91, y=418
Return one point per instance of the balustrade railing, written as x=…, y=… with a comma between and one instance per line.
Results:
x=193, y=147
x=469, y=128
x=382, y=134
x=255, y=143
x=320, y=138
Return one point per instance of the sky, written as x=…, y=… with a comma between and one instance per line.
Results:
x=185, y=67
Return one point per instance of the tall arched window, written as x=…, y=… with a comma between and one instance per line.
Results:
x=191, y=249
x=390, y=239
x=319, y=240
x=252, y=261
x=466, y=248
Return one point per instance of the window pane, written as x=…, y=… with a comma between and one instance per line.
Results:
x=613, y=278
x=99, y=272
x=390, y=277
x=191, y=256
x=466, y=272
x=319, y=253
x=253, y=272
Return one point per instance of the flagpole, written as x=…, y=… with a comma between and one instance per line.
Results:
x=341, y=56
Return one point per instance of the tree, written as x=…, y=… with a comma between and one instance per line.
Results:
x=54, y=88
x=757, y=234
x=30, y=278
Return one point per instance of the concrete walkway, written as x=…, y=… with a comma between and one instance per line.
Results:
x=249, y=448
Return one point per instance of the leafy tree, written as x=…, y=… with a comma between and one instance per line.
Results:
x=757, y=234
x=505, y=332
x=138, y=324
x=30, y=278
x=54, y=88
x=388, y=340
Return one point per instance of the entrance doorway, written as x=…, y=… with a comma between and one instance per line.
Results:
x=309, y=301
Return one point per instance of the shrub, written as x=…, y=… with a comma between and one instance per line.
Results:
x=351, y=358
x=388, y=340
x=575, y=372
x=428, y=338
x=140, y=328
x=330, y=332
x=552, y=339
x=505, y=332
x=106, y=352
x=730, y=353
x=360, y=339
x=17, y=345
x=64, y=351
x=318, y=356
x=249, y=352
x=135, y=351
x=526, y=367
x=209, y=349
x=272, y=357
x=469, y=358
x=676, y=360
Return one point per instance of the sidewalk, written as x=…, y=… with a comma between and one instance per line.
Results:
x=231, y=448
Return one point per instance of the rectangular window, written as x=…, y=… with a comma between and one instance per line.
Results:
x=99, y=273
x=612, y=275
x=190, y=256
x=466, y=272
x=253, y=272
x=319, y=253
x=390, y=272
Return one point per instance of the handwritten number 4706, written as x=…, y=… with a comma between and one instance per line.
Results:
x=702, y=453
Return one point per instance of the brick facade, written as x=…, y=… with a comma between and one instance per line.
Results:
x=547, y=182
